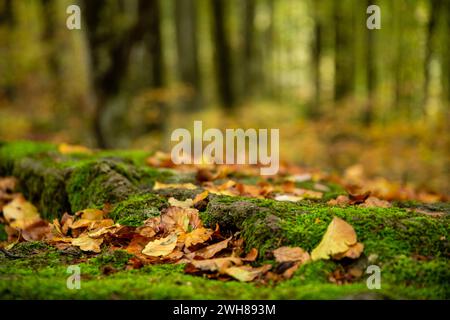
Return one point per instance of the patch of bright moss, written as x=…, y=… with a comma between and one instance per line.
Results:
x=116, y=258
x=10, y=152
x=137, y=208
x=3, y=234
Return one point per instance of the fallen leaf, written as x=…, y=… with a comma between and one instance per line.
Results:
x=197, y=236
x=176, y=218
x=188, y=203
x=251, y=255
x=90, y=214
x=353, y=252
x=287, y=197
x=161, y=247
x=20, y=213
x=87, y=243
x=338, y=238
x=374, y=202
x=210, y=251
x=36, y=231
x=288, y=254
x=159, y=185
x=216, y=264
x=246, y=273
x=358, y=198
x=201, y=196
x=65, y=148
x=339, y=201
x=289, y=272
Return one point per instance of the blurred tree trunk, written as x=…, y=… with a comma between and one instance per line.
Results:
x=150, y=13
x=344, y=49
x=435, y=8
x=187, y=49
x=248, y=66
x=316, y=53
x=7, y=19
x=267, y=52
x=446, y=63
x=371, y=73
x=7, y=13
x=222, y=55
x=117, y=45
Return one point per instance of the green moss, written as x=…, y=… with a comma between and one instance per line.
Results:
x=137, y=157
x=116, y=258
x=137, y=208
x=11, y=152
x=267, y=224
x=3, y=234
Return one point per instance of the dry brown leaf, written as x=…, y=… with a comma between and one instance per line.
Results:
x=251, y=255
x=374, y=202
x=87, y=243
x=339, y=201
x=246, y=273
x=217, y=264
x=338, y=238
x=188, y=203
x=37, y=231
x=291, y=254
x=353, y=252
x=210, y=251
x=176, y=218
x=161, y=247
x=197, y=236
x=20, y=213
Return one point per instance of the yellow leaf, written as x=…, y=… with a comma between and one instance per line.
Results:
x=161, y=247
x=201, y=196
x=87, y=243
x=197, y=236
x=65, y=148
x=159, y=185
x=245, y=273
x=91, y=214
x=353, y=252
x=20, y=213
x=181, y=204
x=338, y=238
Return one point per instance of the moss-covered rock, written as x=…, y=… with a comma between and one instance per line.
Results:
x=58, y=183
x=137, y=208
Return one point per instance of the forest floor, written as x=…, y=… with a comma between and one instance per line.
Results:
x=137, y=227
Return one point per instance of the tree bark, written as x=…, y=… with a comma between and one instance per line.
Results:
x=222, y=55
x=187, y=50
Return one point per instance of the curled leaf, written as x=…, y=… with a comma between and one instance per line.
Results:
x=338, y=238
x=161, y=247
x=291, y=254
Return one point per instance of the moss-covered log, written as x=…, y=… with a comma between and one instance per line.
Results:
x=411, y=247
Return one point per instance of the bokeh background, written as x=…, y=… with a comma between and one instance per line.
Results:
x=341, y=95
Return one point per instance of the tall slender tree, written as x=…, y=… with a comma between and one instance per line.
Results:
x=187, y=49
x=344, y=49
x=222, y=55
x=435, y=9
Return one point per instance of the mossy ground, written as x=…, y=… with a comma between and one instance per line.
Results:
x=42, y=274
x=411, y=248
